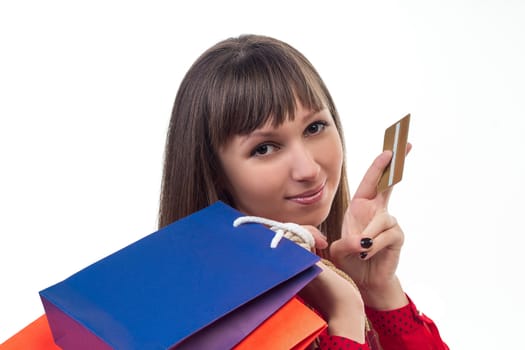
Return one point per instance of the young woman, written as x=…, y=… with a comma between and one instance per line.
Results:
x=254, y=125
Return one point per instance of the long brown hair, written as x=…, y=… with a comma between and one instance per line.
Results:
x=233, y=88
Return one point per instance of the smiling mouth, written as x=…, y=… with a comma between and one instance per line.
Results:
x=309, y=197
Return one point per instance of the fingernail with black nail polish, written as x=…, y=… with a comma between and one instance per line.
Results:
x=363, y=255
x=366, y=242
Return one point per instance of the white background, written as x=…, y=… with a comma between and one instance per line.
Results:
x=86, y=90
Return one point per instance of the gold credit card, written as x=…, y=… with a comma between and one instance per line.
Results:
x=396, y=138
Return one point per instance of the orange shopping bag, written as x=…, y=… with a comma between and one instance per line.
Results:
x=35, y=336
x=294, y=326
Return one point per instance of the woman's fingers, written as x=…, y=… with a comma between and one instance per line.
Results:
x=382, y=231
x=381, y=222
x=368, y=187
x=385, y=195
x=319, y=238
x=409, y=147
x=390, y=239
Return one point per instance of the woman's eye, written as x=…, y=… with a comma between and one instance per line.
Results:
x=315, y=128
x=263, y=150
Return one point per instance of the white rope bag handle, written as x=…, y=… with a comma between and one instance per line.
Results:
x=288, y=230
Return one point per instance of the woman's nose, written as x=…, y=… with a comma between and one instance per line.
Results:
x=304, y=166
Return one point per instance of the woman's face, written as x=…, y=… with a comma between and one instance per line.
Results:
x=288, y=173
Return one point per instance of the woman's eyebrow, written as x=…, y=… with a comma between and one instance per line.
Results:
x=270, y=132
x=259, y=134
x=311, y=115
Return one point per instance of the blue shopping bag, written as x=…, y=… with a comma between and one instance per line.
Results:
x=198, y=278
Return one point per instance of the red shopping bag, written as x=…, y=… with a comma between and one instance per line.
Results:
x=35, y=336
x=294, y=326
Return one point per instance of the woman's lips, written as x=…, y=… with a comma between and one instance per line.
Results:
x=309, y=197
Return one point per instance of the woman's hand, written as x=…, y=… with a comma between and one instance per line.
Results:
x=336, y=299
x=371, y=241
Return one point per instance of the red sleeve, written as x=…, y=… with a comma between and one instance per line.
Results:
x=405, y=328
x=333, y=342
